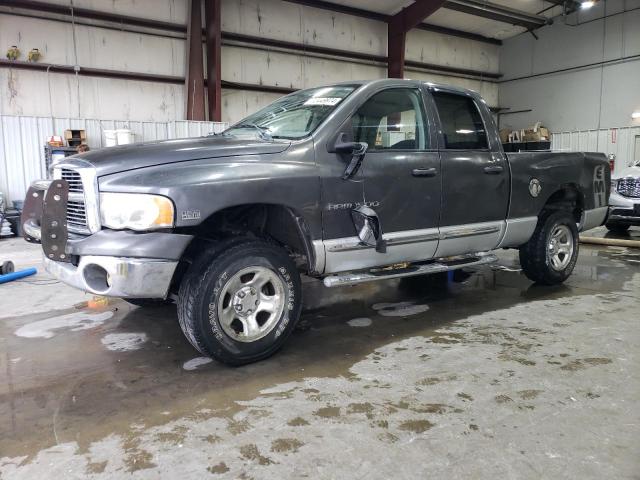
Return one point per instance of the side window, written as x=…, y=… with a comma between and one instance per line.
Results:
x=391, y=120
x=461, y=122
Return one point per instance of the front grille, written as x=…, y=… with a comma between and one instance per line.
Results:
x=74, y=179
x=76, y=215
x=76, y=209
x=629, y=187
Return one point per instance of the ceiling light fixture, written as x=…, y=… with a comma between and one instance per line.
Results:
x=587, y=5
x=635, y=115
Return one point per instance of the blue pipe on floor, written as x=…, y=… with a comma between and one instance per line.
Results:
x=16, y=275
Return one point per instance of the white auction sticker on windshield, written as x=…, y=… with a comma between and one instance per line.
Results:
x=331, y=101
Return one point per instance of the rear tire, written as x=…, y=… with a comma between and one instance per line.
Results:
x=551, y=253
x=238, y=302
x=617, y=227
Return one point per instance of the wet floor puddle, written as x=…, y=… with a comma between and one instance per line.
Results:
x=117, y=369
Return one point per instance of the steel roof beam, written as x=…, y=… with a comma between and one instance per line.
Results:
x=381, y=17
x=398, y=26
x=497, y=13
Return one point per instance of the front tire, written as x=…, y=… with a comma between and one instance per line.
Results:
x=551, y=253
x=239, y=302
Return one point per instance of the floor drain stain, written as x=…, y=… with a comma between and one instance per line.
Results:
x=359, y=322
x=194, y=363
x=124, y=342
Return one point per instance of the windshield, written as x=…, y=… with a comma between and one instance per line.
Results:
x=295, y=116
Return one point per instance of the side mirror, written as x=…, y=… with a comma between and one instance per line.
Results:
x=368, y=228
x=343, y=145
x=356, y=150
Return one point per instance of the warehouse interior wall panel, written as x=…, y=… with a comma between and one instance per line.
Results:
x=291, y=22
x=576, y=99
x=22, y=140
x=430, y=47
x=162, y=10
x=29, y=93
x=240, y=103
x=111, y=49
x=96, y=47
x=619, y=141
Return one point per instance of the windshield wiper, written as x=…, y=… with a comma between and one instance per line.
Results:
x=262, y=131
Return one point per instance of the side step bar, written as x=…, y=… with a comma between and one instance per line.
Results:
x=440, y=265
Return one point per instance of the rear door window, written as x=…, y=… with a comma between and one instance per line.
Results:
x=461, y=122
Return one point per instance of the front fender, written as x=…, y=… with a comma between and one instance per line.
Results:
x=200, y=188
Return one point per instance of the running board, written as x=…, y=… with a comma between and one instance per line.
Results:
x=441, y=265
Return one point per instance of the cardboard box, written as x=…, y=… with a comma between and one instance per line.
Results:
x=504, y=135
x=55, y=141
x=79, y=134
x=75, y=137
x=536, y=134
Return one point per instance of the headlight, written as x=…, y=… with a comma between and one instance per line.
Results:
x=137, y=211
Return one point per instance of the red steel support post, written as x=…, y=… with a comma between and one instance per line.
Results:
x=397, y=28
x=194, y=83
x=214, y=41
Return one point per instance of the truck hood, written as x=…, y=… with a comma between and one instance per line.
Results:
x=140, y=155
x=627, y=172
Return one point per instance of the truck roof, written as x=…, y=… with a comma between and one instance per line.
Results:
x=394, y=81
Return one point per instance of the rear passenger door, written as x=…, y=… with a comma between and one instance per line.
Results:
x=475, y=176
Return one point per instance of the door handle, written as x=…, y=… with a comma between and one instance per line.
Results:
x=493, y=170
x=424, y=172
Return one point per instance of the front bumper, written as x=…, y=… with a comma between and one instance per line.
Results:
x=116, y=276
x=108, y=262
x=623, y=209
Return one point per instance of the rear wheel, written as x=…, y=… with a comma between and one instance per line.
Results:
x=239, y=302
x=617, y=227
x=552, y=251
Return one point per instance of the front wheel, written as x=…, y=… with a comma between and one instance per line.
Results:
x=239, y=302
x=552, y=251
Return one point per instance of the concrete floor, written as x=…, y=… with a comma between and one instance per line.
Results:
x=490, y=377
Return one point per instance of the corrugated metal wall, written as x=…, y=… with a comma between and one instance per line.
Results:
x=619, y=141
x=22, y=142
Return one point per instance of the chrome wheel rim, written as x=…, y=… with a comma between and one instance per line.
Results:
x=560, y=247
x=251, y=303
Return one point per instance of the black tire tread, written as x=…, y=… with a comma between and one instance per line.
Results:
x=533, y=254
x=189, y=291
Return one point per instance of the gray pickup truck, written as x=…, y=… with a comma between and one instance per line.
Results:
x=348, y=183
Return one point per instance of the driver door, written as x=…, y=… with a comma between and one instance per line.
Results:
x=399, y=179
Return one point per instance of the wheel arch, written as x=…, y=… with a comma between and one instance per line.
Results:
x=568, y=196
x=275, y=222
